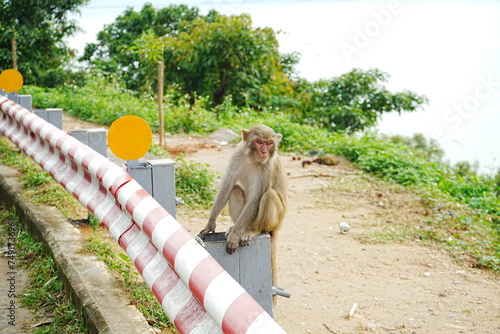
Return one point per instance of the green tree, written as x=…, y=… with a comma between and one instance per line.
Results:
x=122, y=45
x=214, y=56
x=227, y=57
x=31, y=37
x=354, y=101
x=150, y=49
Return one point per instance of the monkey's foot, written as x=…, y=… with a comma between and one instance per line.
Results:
x=234, y=241
x=246, y=238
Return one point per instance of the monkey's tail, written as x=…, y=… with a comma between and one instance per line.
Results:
x=274, y=264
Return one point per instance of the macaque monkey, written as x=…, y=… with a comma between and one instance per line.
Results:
x=256, y=189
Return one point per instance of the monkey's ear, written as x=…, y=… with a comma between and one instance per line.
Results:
x=280, y=136
x=244, y=134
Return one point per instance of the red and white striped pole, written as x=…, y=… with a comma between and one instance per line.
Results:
x=194, y=290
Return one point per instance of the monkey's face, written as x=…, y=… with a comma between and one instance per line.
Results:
x=263, y=149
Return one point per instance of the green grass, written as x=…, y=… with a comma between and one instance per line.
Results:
x=45, y=295
x=126, y=273
x=38, y=185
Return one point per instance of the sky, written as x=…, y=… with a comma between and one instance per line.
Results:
x=446, y=50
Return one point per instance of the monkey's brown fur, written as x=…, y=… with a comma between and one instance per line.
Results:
x=256, y=189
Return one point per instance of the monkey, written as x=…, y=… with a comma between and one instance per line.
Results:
x=255, y=189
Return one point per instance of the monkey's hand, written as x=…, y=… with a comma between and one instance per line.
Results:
x=233, y=241
x=210, y=228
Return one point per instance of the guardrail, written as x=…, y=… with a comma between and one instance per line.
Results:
x=195, y=292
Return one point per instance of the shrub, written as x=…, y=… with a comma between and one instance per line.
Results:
x=194, y=183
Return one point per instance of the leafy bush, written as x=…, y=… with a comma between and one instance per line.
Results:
x=413, y=162
x=103, y=102
x=354, y=101
x=194, y=183
x=398, y=163
x=182, y=117
x=100, y=100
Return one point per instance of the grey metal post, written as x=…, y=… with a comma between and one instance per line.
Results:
x=25, y=101
x=250, y=265
x=157, y=177
x=51, y=115
x=13, y=97
x=96, y=139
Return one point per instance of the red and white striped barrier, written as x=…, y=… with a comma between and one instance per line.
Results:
x=195, y=292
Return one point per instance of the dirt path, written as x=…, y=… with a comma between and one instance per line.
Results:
x=398, y=288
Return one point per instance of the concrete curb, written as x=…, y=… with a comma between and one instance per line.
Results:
x=93, y=289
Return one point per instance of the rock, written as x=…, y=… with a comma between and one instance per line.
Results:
x=224, y=135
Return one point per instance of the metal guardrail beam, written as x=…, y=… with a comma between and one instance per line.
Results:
x=194, y=290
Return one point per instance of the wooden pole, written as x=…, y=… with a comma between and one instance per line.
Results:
x=13, y=44
x=160, y=103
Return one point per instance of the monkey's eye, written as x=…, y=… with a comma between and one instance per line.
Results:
x=263, y=142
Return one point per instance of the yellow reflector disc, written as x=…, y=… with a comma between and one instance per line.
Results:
x=129, y=137
x=11, y=80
